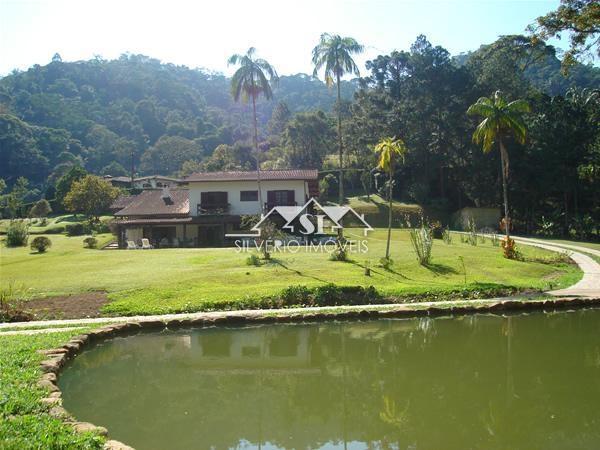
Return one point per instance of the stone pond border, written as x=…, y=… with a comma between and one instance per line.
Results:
x=58, y=357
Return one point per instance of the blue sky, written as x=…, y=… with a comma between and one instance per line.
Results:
x=202, y=33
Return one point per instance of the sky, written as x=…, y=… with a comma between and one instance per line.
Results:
x=204, y=34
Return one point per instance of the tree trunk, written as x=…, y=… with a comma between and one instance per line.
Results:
x=340, y=145
x=389, y=234
x=504, y=162
x=260, y=202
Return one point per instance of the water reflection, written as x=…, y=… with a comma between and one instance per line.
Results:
x=475, y=382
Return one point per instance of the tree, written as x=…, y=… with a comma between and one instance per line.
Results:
x=168, y=154
x=390, y=150
x=253, y=78
x=334, y=53
x=501, y=119
x=307, y=137
x=40, y=209
x=64, y=183
x=91, y=196
x=581, y=18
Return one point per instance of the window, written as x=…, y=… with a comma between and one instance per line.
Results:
x=248, y=196
x=280, y=198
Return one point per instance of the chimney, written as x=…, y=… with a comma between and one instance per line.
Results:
x=166, y=195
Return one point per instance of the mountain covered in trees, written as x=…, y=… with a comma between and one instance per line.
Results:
x=106, y=116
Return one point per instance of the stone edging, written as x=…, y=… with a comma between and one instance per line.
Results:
x=58, y=357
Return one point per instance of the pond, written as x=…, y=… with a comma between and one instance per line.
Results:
x=520, y=382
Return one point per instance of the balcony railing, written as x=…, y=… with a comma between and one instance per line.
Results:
x=213, y=208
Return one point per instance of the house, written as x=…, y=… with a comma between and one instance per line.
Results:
x=148, y=182
x=211, y=206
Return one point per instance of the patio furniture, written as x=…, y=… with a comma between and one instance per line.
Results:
x=146, y=244
x=131, y=245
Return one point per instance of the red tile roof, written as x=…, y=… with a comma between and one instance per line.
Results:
x=284, y=174
x=152, y=203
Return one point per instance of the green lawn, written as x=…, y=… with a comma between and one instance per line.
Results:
x=56, y=223
x=592, y=245
x=177, y=280
x=25, y=422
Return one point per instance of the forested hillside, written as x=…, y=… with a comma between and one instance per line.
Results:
x=172, y=120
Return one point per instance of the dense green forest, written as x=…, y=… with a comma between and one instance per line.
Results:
x=171, y=120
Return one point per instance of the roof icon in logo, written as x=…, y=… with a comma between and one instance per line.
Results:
x=292, y=214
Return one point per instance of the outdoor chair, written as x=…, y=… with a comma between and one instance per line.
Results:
x=146, y=244
x=131, y=245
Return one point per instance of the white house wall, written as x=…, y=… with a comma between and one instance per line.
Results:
x=233, y=189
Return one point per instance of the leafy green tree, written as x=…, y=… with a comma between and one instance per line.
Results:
x=168, y=155
x=501, y=119
x=334, y=54
x=115, y=169
x=279, y=118
x=64, y=183
x=41, y=208
x=230, y=157
x=91, y=196
x=581, y=19
x=307, y=137
x=390, y=151
x=253, y=78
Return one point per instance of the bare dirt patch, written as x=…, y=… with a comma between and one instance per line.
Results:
x=75, y=306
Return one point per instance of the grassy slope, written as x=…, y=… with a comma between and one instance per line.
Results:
x=376, y=204
x=172, y=280
x=52, y=222
x=24, y=420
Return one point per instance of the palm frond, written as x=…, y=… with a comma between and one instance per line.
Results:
x=518, y=106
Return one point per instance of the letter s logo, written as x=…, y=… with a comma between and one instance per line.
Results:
x=309, y=227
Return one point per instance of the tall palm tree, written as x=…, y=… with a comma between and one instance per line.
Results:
x=253, y=78
x=333, y=53
x=501, y=119
x=390, y=150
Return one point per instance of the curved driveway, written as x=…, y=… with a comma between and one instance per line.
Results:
x=589, y=285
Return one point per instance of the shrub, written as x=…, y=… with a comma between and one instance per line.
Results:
x=386, y=263
x=75, y=229
x=339, y=254
x=446, y=236
x=328, y=295
x=41, y=244
x=296, y=295
x=495, y=240
x=422, y=243
x=472, y=229
x=11, y=298
x=253, y=260
x=90, y=242
x=509, y=248
x=17, y=233
x=437, y=230
x=100, y=227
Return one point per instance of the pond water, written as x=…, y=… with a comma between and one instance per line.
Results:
x=519, y=382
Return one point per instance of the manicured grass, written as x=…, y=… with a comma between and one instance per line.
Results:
x=375, y=204
x=592, y=245
x=25, y=422
x=52, y=223
x=178, y=280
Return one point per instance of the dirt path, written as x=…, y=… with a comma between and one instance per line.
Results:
x=75, y=306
